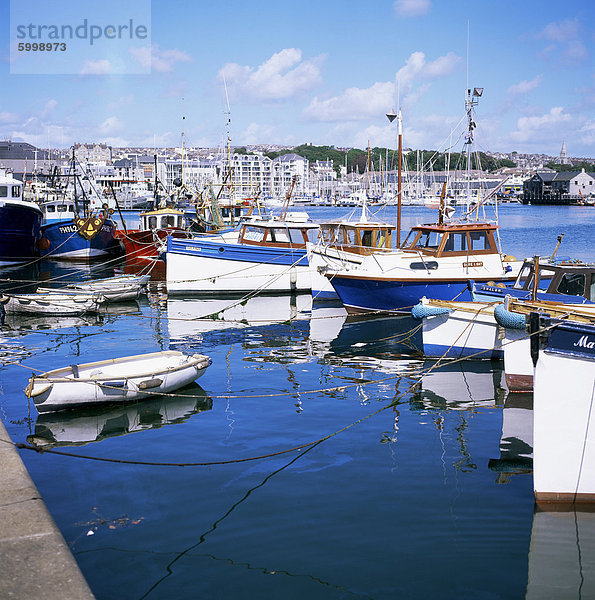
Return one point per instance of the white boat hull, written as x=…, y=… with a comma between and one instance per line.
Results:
x=469, y=330
x=564, y=420
x=116, y=380
x=518, y=365
x=53, y=303
x=198, y=274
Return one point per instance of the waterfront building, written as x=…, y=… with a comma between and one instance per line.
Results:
x=567, y=187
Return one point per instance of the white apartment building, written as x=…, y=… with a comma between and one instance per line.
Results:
x=196, y=173
x=284, y=168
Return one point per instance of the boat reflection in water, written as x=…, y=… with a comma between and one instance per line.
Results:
x=460, y=385
x=191, y=317
x=562, y=555
x=24, y=322
x=78, y=427
x=19, y=279
x=516, y=443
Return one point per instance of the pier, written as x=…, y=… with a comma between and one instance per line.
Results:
x=35, y=561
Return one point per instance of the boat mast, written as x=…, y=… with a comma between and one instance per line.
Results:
x=391, y=116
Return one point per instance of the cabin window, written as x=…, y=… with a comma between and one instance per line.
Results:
x=3, y=191
x=592, y=286
x=152, y=221
x=16, y=191
x=572, y=284
x=279, y=236
x=168, y=221
x=367, y=237
x=545, y=278
x=456, y=242
x=479, y=240
x=382, y=238
x=253, y=234
x=523, y=279
x=62, y=208
x=296, y=236
x=181, y=222
x=429, y=240
x=50, y=208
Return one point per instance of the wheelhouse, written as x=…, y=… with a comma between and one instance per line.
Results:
x=452, y=239
x=359, y=238
x=162, y=219
x=565, y=277
x=58, y=210
x=278, y=234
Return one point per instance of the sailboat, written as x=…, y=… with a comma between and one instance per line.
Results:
x=436, y=260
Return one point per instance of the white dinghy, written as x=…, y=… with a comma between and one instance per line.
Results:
x=116, y=289
x=115, y=380
x=52, y=303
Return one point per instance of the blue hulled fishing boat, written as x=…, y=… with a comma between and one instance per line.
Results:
x=20, y=222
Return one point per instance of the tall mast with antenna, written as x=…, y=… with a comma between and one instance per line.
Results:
x=183, y=142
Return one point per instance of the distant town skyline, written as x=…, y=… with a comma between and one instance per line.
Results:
x=324, y=73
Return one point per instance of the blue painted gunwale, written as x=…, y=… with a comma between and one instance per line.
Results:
x=570, y=338
x=237, y=252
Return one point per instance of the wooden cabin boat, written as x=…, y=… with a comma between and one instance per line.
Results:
x=344, y=241
x=435, y=261
x=265, y=255
x=568, y=281
x=115, y=380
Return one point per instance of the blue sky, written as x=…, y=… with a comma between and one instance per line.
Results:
x=321, y=71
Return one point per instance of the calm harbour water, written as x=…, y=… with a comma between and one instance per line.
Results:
x=425, y=490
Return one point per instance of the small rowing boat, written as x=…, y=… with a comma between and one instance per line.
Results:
x=115, y=380
x=52, y=303
x=115, y=289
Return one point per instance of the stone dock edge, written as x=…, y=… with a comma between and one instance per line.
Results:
x=35, y=561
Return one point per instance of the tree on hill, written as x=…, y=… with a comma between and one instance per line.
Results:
x=577, y=166
x=358, y=160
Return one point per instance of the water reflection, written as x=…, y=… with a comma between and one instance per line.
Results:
x=94, y=424
x=392, y=336
x=24, y=322
x=191, y=317
x=562, y=555
x=460, y=385
x=19, y=279
x=516, y=444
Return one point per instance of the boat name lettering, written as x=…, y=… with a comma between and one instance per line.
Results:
x=585, y=343
x=477, y=263
x=68, y=229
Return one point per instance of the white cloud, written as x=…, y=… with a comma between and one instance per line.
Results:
x=363, y=103
x=525, y=86
x=96, y=67
x=353, y=104
x=541, y=127
x=562, y=31
x=8, y=117
x=110, y=125
x=257, y=134
x=564, y=39
x=122, y=101
x=155, y=59
x=411, y=8
x=48, y=108
x=282, y=76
